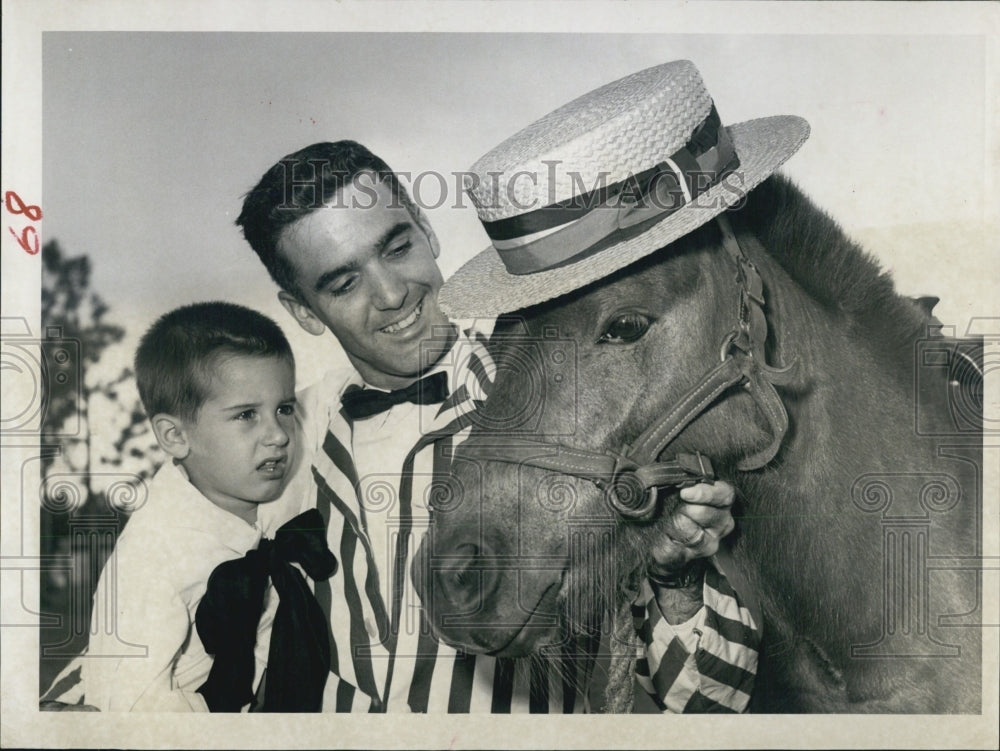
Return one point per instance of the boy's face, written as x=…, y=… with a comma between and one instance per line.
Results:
x=240, y=445
x=367, y=272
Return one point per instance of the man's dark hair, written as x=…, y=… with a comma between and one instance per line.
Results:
x=297, y=185
x=175, y=358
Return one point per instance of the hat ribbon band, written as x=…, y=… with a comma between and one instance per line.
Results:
x=571, y=230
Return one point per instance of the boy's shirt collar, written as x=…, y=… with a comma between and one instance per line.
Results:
x=184, y=506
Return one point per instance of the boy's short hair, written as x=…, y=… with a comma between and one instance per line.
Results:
x=175, y=357
x=297, y=185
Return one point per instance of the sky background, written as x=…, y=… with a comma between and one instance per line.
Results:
x=151, y=139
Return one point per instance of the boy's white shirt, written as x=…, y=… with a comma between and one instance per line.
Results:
x=153, y=583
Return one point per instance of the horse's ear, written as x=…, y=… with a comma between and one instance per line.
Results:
x=926, y=303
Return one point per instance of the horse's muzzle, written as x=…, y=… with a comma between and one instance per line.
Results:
x=460, y=589
x=455, y=586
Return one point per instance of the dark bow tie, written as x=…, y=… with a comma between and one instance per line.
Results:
x=361, y=403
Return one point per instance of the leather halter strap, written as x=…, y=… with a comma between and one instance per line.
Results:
x=631, y=477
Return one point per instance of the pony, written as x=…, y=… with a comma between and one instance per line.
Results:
x=857, y=527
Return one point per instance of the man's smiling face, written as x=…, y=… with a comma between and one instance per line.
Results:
x=366, y=270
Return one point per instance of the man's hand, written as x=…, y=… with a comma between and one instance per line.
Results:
x=702, y=519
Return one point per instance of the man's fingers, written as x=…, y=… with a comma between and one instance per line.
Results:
x=718, y=520
x=699, y=522
x=692, y=535
x=728, y=527
x=687, y=540
x=719, y=494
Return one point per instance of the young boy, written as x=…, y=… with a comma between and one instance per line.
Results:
x=218, y=384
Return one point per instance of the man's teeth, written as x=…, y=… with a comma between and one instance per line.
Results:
x=270, y=466
x=411, y=319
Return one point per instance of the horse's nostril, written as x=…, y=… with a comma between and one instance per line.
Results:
x=462, y=574
x=463, y=578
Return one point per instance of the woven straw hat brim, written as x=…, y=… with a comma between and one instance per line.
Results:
x=482, y=287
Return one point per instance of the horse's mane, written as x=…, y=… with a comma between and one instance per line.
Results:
x=833, y=269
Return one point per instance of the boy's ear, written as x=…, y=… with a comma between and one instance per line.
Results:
x=171, y=436
x=301, y=313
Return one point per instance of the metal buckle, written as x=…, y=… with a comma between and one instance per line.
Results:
x=698, y=466
x=738, y=338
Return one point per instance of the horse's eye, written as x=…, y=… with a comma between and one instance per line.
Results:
x=625, y=328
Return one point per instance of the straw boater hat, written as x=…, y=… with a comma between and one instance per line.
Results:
x=604, y=181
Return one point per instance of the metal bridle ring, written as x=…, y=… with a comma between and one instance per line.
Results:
x=630, y=498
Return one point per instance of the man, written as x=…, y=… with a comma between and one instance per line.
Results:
x=353, y=254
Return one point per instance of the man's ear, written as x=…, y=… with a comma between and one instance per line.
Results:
x=425, y=225
x=171, y=435
x=301, y=313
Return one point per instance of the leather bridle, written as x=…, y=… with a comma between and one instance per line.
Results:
x=631, y=478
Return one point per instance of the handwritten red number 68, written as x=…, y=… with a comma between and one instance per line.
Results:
x=15, y=205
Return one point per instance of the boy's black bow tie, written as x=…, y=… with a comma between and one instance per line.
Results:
x=229, y=614
x=361, y=403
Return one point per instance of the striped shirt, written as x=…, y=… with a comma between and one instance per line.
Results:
x=371, y=481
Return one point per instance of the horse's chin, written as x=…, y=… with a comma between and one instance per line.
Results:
x=541, y=628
